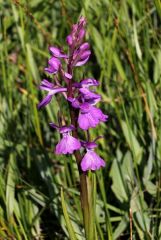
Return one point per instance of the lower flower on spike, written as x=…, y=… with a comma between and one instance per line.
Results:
x=67, y=144
x=91, y=161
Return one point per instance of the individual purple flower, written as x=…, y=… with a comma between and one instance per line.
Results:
x=86, y=93
x=91, y=161
x=54, y=65
x=58, y=53
x=90, y=116
x=67, y=144
x=51, y=89
x=81, y=55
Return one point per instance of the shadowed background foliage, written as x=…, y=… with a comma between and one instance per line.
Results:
x=125, y=39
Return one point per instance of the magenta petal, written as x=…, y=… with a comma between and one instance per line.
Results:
x=82, y=21
x=57, y=52
x=87, y=94
x=81, y=34
x=50, y=70
x=89, y=82
x=98, y=114
x=67, y=75
x=86, y=121
x=54, y=65
x=46, y=83
x=74, y=101
x=67, y=144
x=45, y=101
x=91, y=161
x=85, y=46
x=69, y=40
x=80, y=63
x=90, y=116
x=83, y=58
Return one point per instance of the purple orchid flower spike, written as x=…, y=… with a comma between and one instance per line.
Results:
x=67, y=144
x=91, y=161
x=90, y=116
x=51, y=89
x=81, y=96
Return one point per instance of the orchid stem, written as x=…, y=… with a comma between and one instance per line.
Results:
x=83, y=176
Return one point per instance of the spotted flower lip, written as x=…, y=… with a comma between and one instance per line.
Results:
x=51, y=89
x=68, y=144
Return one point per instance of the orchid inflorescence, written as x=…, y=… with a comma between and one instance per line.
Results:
x=81, y=98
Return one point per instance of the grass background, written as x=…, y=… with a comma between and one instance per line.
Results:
x=125, y=39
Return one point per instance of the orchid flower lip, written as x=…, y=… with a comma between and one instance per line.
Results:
x=92, y=161
x=67, y=145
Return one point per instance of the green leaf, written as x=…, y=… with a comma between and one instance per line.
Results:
x=132, y=141
x=10, y=188
x=32, y=64
x=120, y=228
x=67, y=219
x=158, y=6
x=118, y=183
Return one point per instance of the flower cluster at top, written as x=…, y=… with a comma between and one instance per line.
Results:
x=79, y=95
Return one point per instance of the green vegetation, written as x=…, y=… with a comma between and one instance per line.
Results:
x=39, y=191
